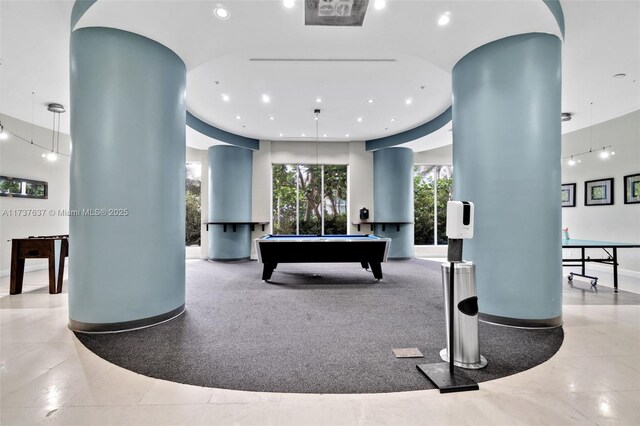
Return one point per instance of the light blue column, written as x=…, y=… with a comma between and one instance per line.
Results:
x=127, y=229
x=506, y=159
x=393, y=198
x=230, y=174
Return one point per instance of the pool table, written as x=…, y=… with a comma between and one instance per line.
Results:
x=368, y=250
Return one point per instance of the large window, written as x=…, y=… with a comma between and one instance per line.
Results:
x=431, y=191
x=309, y=199
x=192, y=193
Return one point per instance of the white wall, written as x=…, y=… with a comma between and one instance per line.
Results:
x=360, y=179
x=24, y=160
x=439, y=156
x=619, y=222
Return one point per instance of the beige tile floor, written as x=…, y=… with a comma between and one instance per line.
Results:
x=48, y=377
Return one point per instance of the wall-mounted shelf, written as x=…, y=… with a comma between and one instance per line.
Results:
x=384, y=224
x=235, y=224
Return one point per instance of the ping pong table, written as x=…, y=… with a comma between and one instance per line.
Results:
x=611, y=258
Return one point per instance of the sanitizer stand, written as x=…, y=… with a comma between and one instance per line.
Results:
x=445, y=375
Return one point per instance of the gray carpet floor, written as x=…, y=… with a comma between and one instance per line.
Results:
x=318, y=328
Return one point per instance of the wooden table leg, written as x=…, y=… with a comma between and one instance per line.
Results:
x=17, y=270
x=52, y=269
x=64, y=252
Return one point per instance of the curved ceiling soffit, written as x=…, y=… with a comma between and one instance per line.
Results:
x=220, y=135
x=554, y=7
x=440, y=121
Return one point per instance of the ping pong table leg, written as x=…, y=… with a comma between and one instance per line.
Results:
x=615, y=270
x=582, y=250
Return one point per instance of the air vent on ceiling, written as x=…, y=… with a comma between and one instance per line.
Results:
x=336, y=13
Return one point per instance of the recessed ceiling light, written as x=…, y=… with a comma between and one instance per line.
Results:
x=221, y=13
x=289, y=3
x=225, y=97
x=619, y=75
x=272, y=118
x=369, y=101
x=324, y=136
x=237, y=117
x=303, y=135
x=281, y=134
x=392, y=120
x=379, y=4
x=318, y=100
x=408, y=101
x=266, y=99
x=444, y=19
x=359, y=119
x=347, y=135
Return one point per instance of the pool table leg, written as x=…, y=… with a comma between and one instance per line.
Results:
x=267, y=271
x=376, y=268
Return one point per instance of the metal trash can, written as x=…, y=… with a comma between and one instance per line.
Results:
x=465, y=318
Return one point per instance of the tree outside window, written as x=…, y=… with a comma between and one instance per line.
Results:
x=432, y=189
x=192, y=193
x=309, y=199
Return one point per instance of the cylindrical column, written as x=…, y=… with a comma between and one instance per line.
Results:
x=230, y=174
x=127, y=224
x=506, y=159
x=393, y=199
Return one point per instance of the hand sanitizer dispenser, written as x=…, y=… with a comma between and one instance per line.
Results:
x=459, y=227
x=459, y=220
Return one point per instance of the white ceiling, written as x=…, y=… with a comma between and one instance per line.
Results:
x=602, y=39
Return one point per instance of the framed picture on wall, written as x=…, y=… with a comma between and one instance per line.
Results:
x=598, y=192
x=23, y=188
x=568, y=195
x=632, y=189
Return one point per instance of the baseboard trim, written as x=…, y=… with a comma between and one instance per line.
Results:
x=120, y=327
x=521, y=323
x=239, y=259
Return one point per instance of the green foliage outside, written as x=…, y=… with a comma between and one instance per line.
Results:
x=424, y=185
x=444, y=195
x=35, y=190
x=9, y=186
x=193, y=219
x=284, y=199
x=297, y=197
x=423, y=188
x=335, y=195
